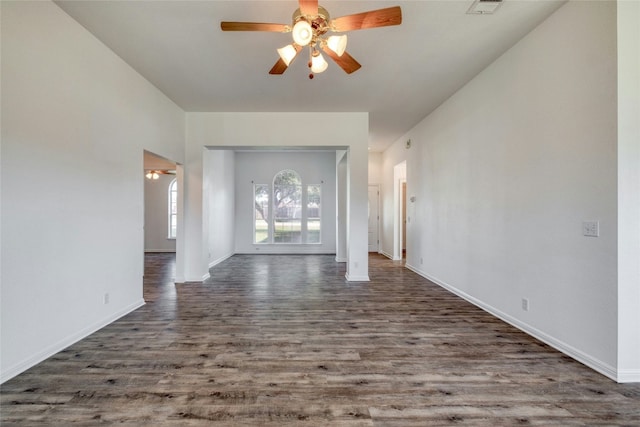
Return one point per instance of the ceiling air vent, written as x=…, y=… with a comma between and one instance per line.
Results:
x=484, y=7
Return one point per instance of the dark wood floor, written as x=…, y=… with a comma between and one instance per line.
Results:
x=284, y=340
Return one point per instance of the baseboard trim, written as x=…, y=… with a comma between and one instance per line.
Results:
x=352, y=278
x=303, y=250
x=214, y=263
x=387, y=255
x=595, y=364
x=629, y=376
x=219, y=260
x=66, y=342
x=341, y=259
x=162, y=251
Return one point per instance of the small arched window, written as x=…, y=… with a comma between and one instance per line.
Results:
x=173, y=209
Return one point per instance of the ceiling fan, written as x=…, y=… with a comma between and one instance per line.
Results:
x=310, y=25
x=155, y=173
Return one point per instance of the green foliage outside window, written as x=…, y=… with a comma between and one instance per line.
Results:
x=281, y=218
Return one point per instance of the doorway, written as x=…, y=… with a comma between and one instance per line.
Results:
x=403, y=223
x=374, y=218
x=399, y=210
x=160, y=205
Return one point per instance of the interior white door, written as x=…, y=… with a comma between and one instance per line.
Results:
x=374, y=218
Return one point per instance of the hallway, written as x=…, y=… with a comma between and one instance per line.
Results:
x=285, y=340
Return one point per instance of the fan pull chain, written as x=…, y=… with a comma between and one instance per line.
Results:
x=310, y=63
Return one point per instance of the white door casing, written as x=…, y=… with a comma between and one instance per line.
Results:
x=374, y=217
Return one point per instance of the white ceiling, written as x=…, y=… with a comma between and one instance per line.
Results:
x=407, y=70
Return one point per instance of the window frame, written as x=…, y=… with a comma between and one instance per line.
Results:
x=275, y=216
x=172, y=218
x=303, y=210
x=306, y=213
x=267, y=219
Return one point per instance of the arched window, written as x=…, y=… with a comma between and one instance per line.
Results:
x=173, y=209
x=289, y=213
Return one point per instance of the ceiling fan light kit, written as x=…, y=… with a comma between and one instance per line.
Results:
x=338, y=44
x=155, y=174
x=318, y=63
x=287, y=53
x=302, y=33
x=310, y=24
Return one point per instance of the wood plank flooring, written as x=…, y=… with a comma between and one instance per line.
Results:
x=284, y=340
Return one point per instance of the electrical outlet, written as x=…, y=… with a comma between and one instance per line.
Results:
x=421, y=261
x=525, y=304
x=105, y=298
x=591, y=228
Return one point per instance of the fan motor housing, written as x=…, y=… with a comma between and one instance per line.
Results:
x=319, y=22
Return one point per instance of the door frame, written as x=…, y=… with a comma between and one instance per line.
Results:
x=377, y=188
x=399, y=176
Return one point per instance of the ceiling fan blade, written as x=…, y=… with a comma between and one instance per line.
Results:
x=309, y=7
x=346, y=61
x=253, y=26
x=280, y=67
x=371, y=19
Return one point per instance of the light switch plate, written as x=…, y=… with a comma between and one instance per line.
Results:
x=591, y=228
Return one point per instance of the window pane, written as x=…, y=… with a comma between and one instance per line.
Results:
x=287, y=202
x=313, y=214
x=261, y=214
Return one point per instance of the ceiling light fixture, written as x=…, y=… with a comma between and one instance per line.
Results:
x=309, y=30
x=287, y=53
x=155, y=174
x=318, y=63
x=302, y=33
x=338, y=44
x=309, y=27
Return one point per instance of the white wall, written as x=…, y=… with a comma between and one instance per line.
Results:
x=341, y=206
x=506, y=170
x=219, y=204
x=75, y=121
x=629, y=191
x=260, y=167
x=268, y=130
x=156, y=215
x=375, y=168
